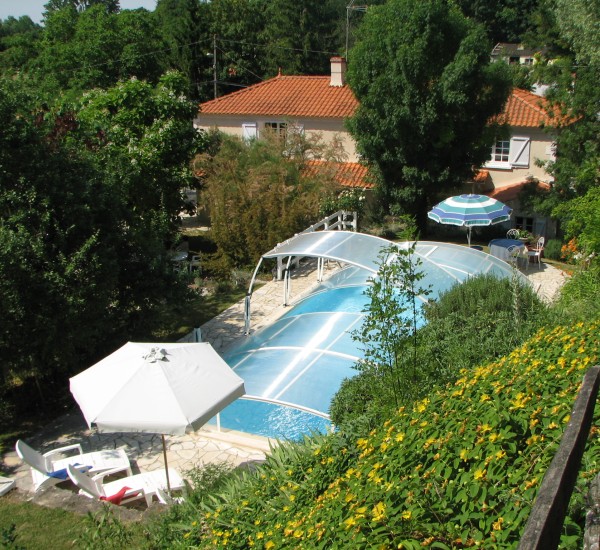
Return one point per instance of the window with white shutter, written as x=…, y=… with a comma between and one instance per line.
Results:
x=507, y=154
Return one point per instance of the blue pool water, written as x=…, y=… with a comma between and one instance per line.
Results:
x=301, y=358
x=268, y=420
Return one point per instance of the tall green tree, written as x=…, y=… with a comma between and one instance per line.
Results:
x=89, y=198
x=427, y=91
x=505, y=20
x=236, y=25
x=18, y=42
x=184, y=28
x=300, y=36
x=58, y=267
x=97, y=48
x=143, y=139
x=571, y=68
x=111, y=6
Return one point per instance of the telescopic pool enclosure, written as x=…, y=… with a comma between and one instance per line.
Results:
x=293, y=367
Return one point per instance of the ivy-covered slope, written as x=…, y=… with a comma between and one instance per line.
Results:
x=459, y=470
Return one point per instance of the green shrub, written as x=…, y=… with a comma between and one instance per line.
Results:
x=172, y=529
x=351, y=200
x=258, y=195
x=472, y=323
x=579, y=298
x=106, y=532
x=552, y=249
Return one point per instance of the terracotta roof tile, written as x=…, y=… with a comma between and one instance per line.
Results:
x=511, y=192
x=287, y=96
x=526, y=109
x=312, y=96
x=347, y=174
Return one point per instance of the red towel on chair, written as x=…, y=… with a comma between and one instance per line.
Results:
x=118, y=497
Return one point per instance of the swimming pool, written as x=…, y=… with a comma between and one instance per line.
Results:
x=293, y=367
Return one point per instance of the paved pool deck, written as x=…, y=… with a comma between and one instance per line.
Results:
x=206, y=445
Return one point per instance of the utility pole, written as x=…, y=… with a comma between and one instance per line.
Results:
x=215, y=65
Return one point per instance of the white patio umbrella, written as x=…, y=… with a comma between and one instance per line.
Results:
x=156, y=388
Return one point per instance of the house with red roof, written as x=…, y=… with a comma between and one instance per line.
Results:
x=320, y=105
x=309, y=104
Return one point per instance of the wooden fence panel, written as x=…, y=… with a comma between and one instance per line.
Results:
x=544, y=526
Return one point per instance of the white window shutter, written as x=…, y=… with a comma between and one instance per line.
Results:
x=519, y=151
x=539, y=226
x=551, y=151
x=297, y=128
x=249, y=131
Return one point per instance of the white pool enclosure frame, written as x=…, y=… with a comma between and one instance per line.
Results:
x=454, y=262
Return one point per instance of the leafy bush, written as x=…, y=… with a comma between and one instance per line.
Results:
x=400, y=227
x=171, y=529
x=105, y=531
x=352, y=200
x=474, y=322
x=579, y=298
x=459, y=469
x=552, y=249
x=258, y=195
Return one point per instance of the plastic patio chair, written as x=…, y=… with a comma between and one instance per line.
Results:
x=50, y=468
x=536, y=252
x=127, y=489
x=512, y=234
x=195, y=262
x=513, y=255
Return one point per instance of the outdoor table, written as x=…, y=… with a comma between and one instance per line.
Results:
x=499, y=248
x=179, y=256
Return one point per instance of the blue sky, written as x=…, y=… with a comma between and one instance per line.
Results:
x=35, y=8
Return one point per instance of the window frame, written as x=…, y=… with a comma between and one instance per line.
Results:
x=249, y=131
x=279, y=128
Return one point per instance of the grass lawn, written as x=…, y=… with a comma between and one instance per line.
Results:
x=24, y=525
x=37, y=526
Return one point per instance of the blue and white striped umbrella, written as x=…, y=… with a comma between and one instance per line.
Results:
x=470, y=210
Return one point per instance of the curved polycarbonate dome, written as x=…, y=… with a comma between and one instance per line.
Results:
x=302, y=358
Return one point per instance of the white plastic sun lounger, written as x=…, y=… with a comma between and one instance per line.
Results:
x=50, y=468
x=121, y=491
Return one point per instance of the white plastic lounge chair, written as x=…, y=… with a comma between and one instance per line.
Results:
x=50, y=468
x=126, y=489
x=6, y=484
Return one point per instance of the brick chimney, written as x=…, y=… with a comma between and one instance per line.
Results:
x=338, y=71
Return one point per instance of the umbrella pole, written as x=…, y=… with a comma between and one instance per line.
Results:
x=166, y=464
x=469, y=235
